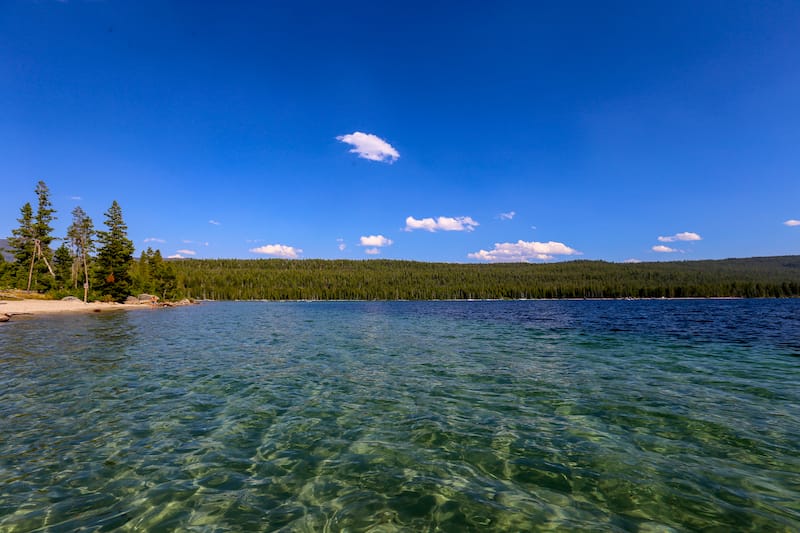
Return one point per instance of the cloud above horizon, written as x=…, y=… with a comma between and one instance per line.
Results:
x=214, y=222
x=441, y=224
x=175, y=256
x=507, y=216
x=341, y=244
x=685, y=236
x=375, y=240
x=660, y=248
x=522, y=251
x=187, y=252
x=792, y=222
x=369, y=146
x=278, y=250
x=154, y=239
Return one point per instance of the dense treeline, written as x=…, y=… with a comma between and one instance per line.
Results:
x=279, y=279
x=90, y=263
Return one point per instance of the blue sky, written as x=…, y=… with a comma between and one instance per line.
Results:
x=433, y=131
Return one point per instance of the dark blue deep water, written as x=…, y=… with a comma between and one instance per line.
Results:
x=404, y=416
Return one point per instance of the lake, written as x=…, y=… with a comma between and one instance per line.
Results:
x=671, y=415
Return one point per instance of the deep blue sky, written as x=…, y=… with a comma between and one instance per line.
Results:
x=601, y=125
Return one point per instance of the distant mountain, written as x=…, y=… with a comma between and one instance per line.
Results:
x=4, y=247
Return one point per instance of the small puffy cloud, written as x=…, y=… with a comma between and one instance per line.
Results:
x=369, y=146
x=664, y=249
x=175, y=256
x=155, y=239
x=377, y=241
x=507, y=216
x=187, y=252
x=214, y=222
x=792, y=222
x=372, y=251
x=508, y=252
x=441, y=224
x=341, y=245
x=632, y=260
x=278, y=250
x=76, y=198
x=685, y=236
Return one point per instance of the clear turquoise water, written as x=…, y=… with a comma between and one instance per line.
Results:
x=404, y=416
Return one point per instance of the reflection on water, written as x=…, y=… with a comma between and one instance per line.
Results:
x=617, y=416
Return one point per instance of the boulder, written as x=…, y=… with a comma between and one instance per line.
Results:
x=146, y=297
x=70, y=299
x=131, y=300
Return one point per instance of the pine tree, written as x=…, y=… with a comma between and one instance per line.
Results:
x=21, y=244
x=81, y=235
x=62, y=266
x=114, y=257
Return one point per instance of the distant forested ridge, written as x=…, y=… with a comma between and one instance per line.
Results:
x=317, y=279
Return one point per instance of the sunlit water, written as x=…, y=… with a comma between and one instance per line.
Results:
x=387, y=416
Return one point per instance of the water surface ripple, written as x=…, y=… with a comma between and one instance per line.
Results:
x=404, y=416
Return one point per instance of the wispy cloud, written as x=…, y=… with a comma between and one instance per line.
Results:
x=154, y=239
x=660, y=248
x=508, y=252
x=378, y=241
x=369, y=146
x=685, y=236
x=441, y=224
x=214, y=222
x=632, y=260
x=792, y=222
x=201, y=243
x=76, y=198
x=341, y=245
x=187, y=252
x=175, y=256
x=278, y=250
x=372, y=251
x=506, y=216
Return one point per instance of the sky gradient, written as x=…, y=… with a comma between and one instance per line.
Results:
x=436, y=131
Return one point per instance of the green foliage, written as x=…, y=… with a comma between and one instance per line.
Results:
x=62, y=266
x=34, y=229
x=21, y=243
x=155, y=276
x=279, y=279
x=114, y=257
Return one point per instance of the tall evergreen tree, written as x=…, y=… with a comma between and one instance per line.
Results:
x=81, y=235
x=21, y=243
x=62, y=266
x=114, y=256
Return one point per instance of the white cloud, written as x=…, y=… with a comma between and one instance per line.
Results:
x=519, y=251
x=187, y=252
x=376, y=241
x=175, y=256
x=632, y=260
x=685, y=236
x=372, y=251
x=369, y=146
x=75, y=198
x=664, y=249
x=507, y=216
x=441, y=223
x=154, y=239
x=278, y=250
x=792, y=222
x=212, y=221
x=341, y=245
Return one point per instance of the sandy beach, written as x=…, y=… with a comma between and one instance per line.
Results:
x=29, y=307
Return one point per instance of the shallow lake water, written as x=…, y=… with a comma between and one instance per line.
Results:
x=404, y=416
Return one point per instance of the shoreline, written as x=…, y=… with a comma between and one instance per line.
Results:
x=11, y=309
